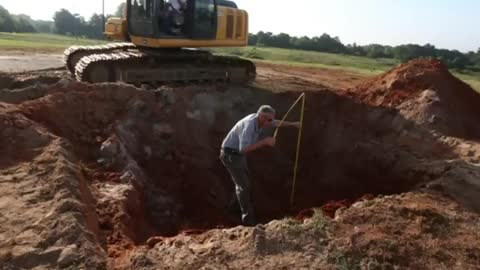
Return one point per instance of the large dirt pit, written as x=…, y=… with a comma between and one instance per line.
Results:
x=126, y=169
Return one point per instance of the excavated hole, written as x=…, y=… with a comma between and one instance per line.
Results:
x=170, y=140
x=348, y=150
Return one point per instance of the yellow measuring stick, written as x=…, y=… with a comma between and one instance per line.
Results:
x=302, y=97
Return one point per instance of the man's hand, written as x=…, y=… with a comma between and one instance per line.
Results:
x=296, y=124
x=270, y=141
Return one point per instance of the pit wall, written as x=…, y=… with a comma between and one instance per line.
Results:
x=165, y=145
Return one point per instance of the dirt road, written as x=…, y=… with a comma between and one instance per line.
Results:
x=270, y=76
x=17, y=63
x=283, y=77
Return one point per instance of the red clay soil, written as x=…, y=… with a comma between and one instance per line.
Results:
x=396, y=86
x=426, y=91
x=189, y=170
x=330, y=208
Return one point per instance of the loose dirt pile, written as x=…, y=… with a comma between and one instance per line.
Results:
x=46, y=214
x=116, y=177
x=410, y=231
x=426, y=92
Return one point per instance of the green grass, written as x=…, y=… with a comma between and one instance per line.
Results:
x=472, y=78
x=41, y=42
x=315, y=59
x=320, y=222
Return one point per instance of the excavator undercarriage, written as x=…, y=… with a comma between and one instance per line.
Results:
x=131, y=64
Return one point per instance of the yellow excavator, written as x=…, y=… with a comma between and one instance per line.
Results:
x=158, y=41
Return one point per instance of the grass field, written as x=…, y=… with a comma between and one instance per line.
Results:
x=472, y=78
x=315, y=59
x=50, y=43
x=41, y=42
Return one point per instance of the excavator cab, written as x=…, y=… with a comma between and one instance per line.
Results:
x=180, y=23
x=187, y=19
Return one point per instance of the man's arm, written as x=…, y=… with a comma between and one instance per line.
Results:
x=287, y=124
x=252, y=147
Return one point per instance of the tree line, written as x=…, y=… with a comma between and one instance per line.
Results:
x=67, y=23
x=329, y=44
x=15, y=23
x=64, y=23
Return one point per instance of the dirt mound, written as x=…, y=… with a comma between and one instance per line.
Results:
x=413, y=231
x=425, y=91
x=410, y=231
x=47, y=217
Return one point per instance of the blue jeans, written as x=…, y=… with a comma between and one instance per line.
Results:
x=237, y=167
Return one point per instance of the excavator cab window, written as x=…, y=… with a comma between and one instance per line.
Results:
x=143, y=8
x=204, y=19
x=196, y=19
x=191, y=19
x=140, y=14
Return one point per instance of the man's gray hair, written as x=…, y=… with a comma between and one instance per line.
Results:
x=266, y=109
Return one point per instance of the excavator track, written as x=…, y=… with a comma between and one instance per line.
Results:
x=73, y=54
x=138, y=66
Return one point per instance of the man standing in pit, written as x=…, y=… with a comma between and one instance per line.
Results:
x=242, y=139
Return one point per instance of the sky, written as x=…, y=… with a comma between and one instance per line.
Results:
x=450, y=24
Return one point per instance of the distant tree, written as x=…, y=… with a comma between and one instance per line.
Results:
x=375, y=51
x=65, y=22
x=354, y=49
x=6, y=21
x=281, y=40
x=252, y=39
x=120, y=13
x=264, y=39
x=96, y=26
x=388, y=51
x=23, y=24
x=428, y=50
x=82, y=27
x=325, y=43
x=453, y=58
x=303, y=43
x=459, y=62
x=476, y=58
x=43, y=26
x=408, y=52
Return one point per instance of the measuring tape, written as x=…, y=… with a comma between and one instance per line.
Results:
x=299, y=140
